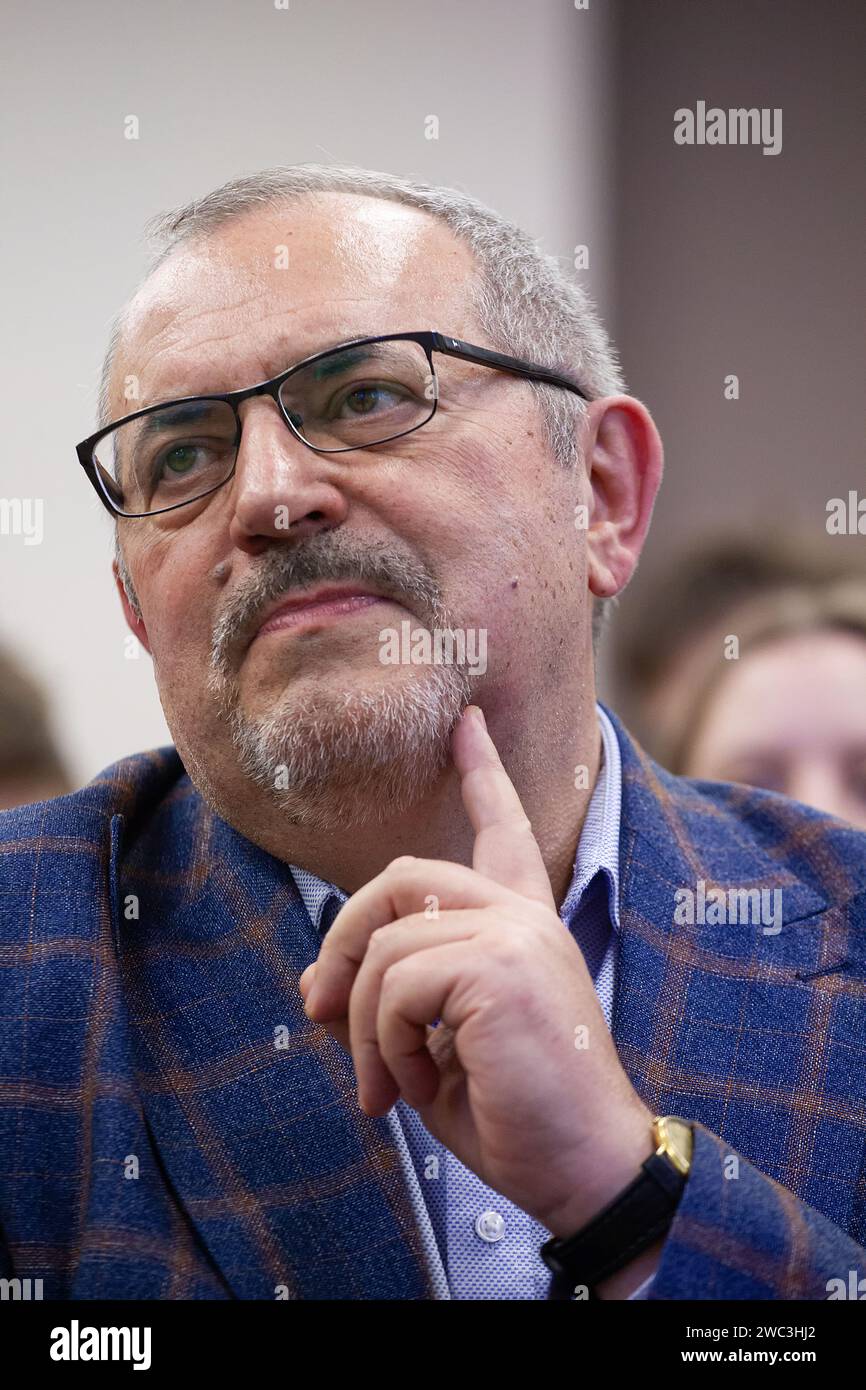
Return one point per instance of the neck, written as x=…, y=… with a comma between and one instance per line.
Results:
x=540, y=751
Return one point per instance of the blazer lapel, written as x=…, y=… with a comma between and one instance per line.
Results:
x=692, y=996
x=294, y=1192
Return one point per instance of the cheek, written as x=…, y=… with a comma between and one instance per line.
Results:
x=513, y=520
x=484, y=505
x=519, y=574
x=177, y=619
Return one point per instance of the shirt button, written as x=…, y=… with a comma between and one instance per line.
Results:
x=490, y=1226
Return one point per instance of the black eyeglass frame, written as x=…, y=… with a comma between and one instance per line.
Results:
x=430, y=341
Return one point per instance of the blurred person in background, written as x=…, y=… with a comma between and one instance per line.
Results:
x=31, y=768
x=757, y=673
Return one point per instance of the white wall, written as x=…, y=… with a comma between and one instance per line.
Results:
x=526, y=124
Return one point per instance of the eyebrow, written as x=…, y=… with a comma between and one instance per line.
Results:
x=332, y=365
x=168, y=417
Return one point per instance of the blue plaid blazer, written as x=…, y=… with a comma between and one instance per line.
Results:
x=173, y=1126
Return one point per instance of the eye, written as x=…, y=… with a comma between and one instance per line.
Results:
x=178, y=461
x=365, y=399
x=180, y=458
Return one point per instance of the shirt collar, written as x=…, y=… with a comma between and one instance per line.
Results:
x=598, y=847
x=597, y=850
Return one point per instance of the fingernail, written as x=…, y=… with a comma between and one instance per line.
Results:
x=478, y=713
x=311, y=995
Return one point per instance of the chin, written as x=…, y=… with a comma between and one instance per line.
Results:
x=331, y=758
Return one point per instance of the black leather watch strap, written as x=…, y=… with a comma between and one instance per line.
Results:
x=641, y=1213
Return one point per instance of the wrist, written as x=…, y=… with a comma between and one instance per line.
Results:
x=620, y=1246
x=613, y=1161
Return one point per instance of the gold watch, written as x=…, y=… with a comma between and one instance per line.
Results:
x=674, y=1139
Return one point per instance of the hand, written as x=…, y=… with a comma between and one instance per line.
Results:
x=503, y=1080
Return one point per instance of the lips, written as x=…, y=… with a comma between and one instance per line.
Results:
x=327, y=601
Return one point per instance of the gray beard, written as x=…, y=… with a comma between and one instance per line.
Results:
x=343, y=757
x=358, y=757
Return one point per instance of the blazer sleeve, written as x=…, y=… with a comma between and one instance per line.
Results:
x=739, y=1234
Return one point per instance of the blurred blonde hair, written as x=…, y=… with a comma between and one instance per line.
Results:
x=759, y=622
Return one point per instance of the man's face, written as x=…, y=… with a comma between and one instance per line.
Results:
x=467, y=523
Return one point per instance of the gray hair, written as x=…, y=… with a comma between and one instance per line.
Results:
x=522, y=298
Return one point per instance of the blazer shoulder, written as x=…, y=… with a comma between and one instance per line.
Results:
x=52, y=837
x=734, y=831
x=818, y=847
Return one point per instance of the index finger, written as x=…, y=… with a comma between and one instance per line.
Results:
x=505, y=848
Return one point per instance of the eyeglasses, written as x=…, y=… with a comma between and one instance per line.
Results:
x=353, y=396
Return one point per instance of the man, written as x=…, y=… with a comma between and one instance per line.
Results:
x=462, y=871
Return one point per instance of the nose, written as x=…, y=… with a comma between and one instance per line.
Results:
x=281, y=489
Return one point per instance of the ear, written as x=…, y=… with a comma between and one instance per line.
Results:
x=134, y=623
x=624, y=461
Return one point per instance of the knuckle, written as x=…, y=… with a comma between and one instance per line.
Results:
x=392, y=981
x=403, y=862
x=379, y=940
x=509, y=955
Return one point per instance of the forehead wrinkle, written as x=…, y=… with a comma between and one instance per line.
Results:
x=175, y=329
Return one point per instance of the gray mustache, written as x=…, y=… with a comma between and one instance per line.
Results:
x=284, y=569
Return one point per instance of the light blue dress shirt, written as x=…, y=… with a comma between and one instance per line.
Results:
x=478, y=1245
